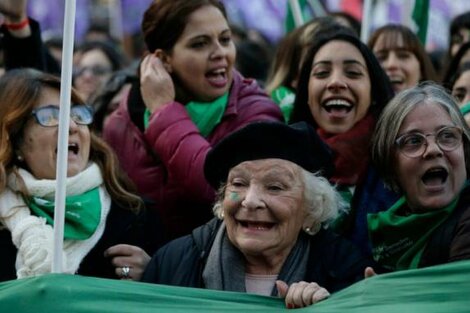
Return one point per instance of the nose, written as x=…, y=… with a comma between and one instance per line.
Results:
x=391, y=61
x=73, y=127
x=253, y=198
x=432, y=149
x=219, y=51
x=337, y=83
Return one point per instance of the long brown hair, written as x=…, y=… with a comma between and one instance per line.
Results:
x=21, y=90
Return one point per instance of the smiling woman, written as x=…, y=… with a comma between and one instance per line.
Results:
x=270, y=236
x=341, y=91
x=101, y=209
x=421, y=147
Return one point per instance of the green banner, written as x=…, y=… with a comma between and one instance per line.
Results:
x=444, y=288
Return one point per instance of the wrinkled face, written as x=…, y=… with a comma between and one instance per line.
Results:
x=202, y=59
x=433, y=180
x=263, y=207
x=401, y=65
x=39, y=145
x=92, y=72
x=462, y=36
x=339, y=88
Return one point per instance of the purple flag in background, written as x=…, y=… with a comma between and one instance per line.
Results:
x=50, y=14
x=132, y=13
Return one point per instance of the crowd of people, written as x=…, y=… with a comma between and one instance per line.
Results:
x=341, y=161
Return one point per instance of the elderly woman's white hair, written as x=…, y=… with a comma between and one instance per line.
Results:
x=322, y=202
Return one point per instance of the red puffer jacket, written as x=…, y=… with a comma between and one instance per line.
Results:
x=166, y=161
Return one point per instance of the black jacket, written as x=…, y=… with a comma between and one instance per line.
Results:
x=334, y=263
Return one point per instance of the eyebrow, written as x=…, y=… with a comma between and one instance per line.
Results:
x=205, y=35
x=345, y=62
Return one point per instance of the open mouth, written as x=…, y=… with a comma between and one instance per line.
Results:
x=73, y=147
x=217, y=77
x=339, y=106
x=257, y=225
x=435, y=176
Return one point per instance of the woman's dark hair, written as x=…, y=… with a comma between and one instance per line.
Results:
x=460, y=70
x=392, y=33
x=164, y=21
x=381, y=89
x=454, y=65
x=115, y=57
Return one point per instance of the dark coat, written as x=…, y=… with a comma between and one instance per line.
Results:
x=122, y=226
x=334, y=263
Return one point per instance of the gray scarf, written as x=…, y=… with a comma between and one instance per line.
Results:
x=225, y=267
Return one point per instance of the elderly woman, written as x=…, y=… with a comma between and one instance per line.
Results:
x=271, y=207
x=102, y=218
x=421, y=147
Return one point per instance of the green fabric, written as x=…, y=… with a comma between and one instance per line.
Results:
x=82, y=213
x=436, y=289
x=465, y=109
x=284, y=97
x=306, y=14
x=397, y=239
x=206, y=115
x=420, y=16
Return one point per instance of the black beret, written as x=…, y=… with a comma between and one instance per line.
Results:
x=298, y=143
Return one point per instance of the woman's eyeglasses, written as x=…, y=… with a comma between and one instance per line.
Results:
x=48, y=116
x=413, y=145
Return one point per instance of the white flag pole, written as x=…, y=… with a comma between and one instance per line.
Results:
x=63, y=140
x=366, y=13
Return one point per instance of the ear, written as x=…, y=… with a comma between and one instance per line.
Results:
x=165, y=58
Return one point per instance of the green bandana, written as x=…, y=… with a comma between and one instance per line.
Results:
x=206, y=115
x=398, y=241
x=82, y=213
x=284, y=97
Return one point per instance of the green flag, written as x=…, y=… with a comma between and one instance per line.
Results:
x=436, y=289
x=421, y=17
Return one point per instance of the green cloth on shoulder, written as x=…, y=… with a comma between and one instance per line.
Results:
x=206, y=115
x=398, y=237
x=82, y=213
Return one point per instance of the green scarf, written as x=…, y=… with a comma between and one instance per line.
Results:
x=82, y=213
x=206, y=115
x=398, y=241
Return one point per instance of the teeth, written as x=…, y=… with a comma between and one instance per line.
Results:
x=219, y=71
x=337, y=102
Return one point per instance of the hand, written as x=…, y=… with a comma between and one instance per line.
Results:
x=131, y=256
x=156, y=84
x=301, y=294
x=369, y=272
x=13, y=10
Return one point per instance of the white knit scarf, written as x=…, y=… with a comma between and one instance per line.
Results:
x=33, y=237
